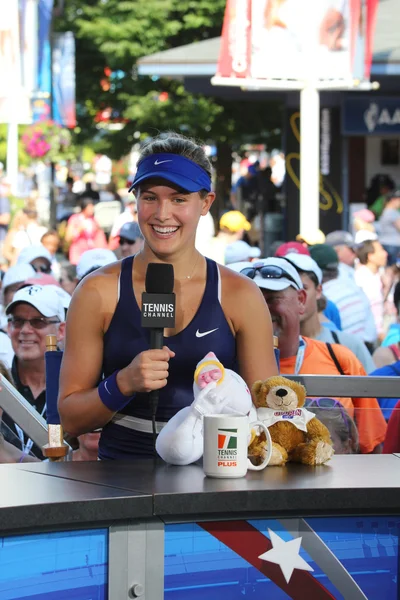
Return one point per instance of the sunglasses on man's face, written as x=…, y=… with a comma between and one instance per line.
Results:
x=36, y=322
x=124, y=241
x=42, y=269
x=268, y=272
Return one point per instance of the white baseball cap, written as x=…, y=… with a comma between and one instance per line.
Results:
x=44, y=299
x=240, y=251
x=97, y=257
x=18, y=274
x=64, y=296
x=30, y=253
x=365, y=236
x=305, y=263
x=275, y=279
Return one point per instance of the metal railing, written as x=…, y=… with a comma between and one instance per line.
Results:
x=23, y=413
x=343, y=386
x=348, y=386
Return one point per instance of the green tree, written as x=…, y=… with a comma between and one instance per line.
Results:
x=114, y=34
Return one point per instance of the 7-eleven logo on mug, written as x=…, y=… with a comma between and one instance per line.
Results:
x=227, y=447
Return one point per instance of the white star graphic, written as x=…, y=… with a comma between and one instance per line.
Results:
x=286, y=555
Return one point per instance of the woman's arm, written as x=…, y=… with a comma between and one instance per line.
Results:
x=244, y=305
x=80, y=407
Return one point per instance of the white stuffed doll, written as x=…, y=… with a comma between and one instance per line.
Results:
x=216, y=390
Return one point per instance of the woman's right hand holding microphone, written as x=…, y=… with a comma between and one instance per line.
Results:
x=148, y=371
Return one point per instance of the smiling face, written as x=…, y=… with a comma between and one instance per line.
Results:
x=286, y=308
x=29, y=343
x=167, y=217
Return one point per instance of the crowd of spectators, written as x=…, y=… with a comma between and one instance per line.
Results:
x=334, y=303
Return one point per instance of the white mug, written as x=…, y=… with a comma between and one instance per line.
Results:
x=226, y=439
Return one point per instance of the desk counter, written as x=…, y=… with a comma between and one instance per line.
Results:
x=174, y=533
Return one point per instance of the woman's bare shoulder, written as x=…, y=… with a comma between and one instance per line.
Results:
x=241, y=299
x=100, y=287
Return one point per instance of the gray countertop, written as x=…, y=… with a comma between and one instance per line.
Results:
x=31, y=500
x=55, y=494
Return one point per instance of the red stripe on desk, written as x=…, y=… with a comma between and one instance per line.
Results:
x=249, y=543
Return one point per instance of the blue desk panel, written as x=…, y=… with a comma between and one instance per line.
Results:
x=69, y=565
x=213, y=561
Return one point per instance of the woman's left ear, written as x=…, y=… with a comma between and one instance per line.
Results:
x=207, y=202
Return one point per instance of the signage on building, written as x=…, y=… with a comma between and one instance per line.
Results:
x=371, y=115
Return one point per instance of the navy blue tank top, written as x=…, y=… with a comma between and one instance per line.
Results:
x=125, y=338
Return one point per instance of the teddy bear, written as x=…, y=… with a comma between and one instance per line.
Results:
x=297, y=435
x=215, y=390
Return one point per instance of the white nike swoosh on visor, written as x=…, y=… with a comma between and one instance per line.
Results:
x=107, y=390
x=203, y=333
x=160, y=162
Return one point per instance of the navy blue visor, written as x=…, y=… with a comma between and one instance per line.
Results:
x=176, y=169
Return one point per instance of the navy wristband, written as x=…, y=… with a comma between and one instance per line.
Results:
x=110, y=394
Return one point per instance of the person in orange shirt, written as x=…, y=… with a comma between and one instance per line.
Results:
x=283, y=291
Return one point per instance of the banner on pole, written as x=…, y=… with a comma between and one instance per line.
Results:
x=44, y=48
x=64, y=79
x=41, y=97
x=14, y=101
x=295, y=40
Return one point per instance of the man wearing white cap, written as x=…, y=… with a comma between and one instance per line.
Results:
x=284, y=293
x=91, y=260
x=313, y=324
x=37, y=256
x=34, y=313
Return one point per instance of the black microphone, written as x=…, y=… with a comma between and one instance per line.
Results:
x=158, y=313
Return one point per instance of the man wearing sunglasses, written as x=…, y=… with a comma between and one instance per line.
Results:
x=38, y=257
x=130, y=239
x=34, y=312
x=284, y=293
